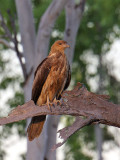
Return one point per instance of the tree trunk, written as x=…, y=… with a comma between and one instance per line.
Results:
x=73, y=18
x=45, y=28
x=42, y=44
x=51, y=128
x=35, y=50
x=99, y=140
x=98, y=129
x=27, y=30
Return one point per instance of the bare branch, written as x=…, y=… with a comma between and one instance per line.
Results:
x=27, y=30
x=19, y=54
x=66, y=132
x=4, y=26
x=42, y=44
x=45, y=28
x=80, y=7
x=73, y=14
x=13, y=38
x=12, y=21
x=78, y=102
x=6, y=43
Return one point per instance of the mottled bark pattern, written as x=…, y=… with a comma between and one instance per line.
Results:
x=78, y=102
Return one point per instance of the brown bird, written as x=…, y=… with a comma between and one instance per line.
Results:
x=52, y=77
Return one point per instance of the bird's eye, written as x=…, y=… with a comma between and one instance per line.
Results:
x=60, y=43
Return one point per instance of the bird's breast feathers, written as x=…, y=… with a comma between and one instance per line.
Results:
x=56, y=79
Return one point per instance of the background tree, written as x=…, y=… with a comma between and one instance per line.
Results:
x=38, y=24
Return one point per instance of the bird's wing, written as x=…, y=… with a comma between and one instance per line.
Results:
x=41, y=74
x=68, y=78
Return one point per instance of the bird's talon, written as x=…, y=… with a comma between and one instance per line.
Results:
x=50, y=106
x=50, y=109
x=53, y=105
x=57, y=102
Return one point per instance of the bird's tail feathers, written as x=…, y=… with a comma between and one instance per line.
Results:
x=35, y=127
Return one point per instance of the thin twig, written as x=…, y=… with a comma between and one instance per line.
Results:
x=4, y=26
x=7, y=44
x=14, y=39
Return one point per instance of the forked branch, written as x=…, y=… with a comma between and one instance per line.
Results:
x=86, y=106
x=12, y=37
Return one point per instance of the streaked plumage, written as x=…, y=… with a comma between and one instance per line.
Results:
x=52, y=77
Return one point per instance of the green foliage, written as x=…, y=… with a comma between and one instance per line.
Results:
x=18, y=99
x=75, y=145
x=2, y=64
x=39, y=7
x=74, y=149
x=8, y=11
x=2, y=153
x=98, y=28
x=96, y=25
x=8, y=81
x=7, y=5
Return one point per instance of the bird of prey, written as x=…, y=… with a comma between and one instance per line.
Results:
x=52, y=77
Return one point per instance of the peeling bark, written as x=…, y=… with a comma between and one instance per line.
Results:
x=89, y=108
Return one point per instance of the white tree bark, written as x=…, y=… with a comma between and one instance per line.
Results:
x=99, y=141
x=35, y=51
x=45, y=28
x=36, y=148
x=98, y=129
x=73, y=19
x=51, y=128
x=74, y=14
x=46, y=25
x=27, y=30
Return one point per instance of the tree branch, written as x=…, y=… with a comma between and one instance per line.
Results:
x=73, y=14
x=45, y=28
x=78, y=102
x=13, y=39
x=27, y=30
x=4, y=26
x=66, y=132
x=6, y=43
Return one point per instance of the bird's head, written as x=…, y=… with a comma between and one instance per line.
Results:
x=59, y=45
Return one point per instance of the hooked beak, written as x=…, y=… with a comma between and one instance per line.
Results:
x=66, y=45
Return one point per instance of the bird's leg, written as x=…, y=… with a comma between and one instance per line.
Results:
x=57, y=102
x=49, y=104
